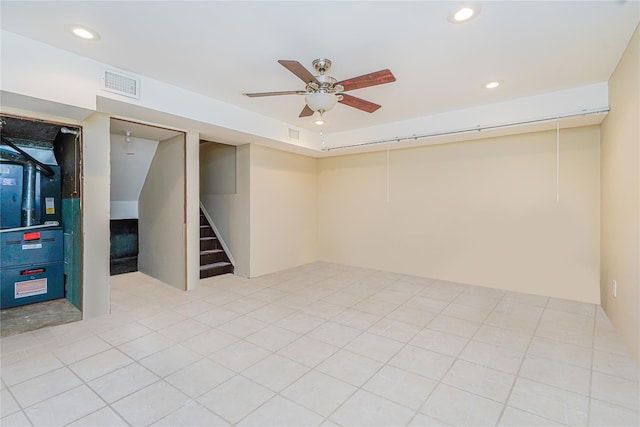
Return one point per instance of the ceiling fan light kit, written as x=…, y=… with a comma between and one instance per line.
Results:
x=322, y=92
x=321, y=101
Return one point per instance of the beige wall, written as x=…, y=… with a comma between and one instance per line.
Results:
x=161, y=220
x=217, y=168
x=224, y=193
x=481, y=212
x=284, y=210
x=95, y=215
x=621, y=199
x=192, y=208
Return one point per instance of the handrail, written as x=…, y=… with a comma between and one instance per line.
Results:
x=215, y=230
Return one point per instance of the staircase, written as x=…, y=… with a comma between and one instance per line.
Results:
x=213, y=259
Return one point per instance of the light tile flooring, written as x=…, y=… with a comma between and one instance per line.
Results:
x=327, y=345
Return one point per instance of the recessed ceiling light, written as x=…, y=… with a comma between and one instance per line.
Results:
x=492, y=85
x=463, y=13
x=83, y=32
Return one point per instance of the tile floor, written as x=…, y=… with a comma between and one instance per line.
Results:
x=326, y=345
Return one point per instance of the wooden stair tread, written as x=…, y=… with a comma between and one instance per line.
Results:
x=211, y=251
x=209, y=238
x=214, y=265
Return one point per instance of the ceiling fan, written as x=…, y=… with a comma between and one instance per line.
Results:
x=322, y=92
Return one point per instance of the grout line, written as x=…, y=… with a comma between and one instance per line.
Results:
x=517, y=375
x=524, y=356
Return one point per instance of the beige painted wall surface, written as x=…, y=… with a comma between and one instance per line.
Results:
x=161, y=221
x=217, y=168
x=283, y=210
x=192, y=224
x=228, y=210
x=481, y=212
x=621, y=198
x=95, y=216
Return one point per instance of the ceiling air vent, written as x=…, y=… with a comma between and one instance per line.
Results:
x=294, y=134
x=116, y=82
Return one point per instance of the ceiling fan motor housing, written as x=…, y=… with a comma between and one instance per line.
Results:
x=321, y=65
x=327, y=85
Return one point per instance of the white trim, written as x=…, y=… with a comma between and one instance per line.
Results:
x=215, y=230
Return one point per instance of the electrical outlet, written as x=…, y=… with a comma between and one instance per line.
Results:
x=615, y=289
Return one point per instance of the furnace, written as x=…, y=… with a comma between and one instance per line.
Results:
x=32, y=233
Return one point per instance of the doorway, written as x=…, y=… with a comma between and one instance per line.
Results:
x=41, y=225
x=148, y=201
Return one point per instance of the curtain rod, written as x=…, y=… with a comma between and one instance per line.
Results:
x=474, y=129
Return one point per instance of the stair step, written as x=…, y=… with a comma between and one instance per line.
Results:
x=215, y=269
x=209, y=243
x=206, y=231
x=214, y=265
x=211, y=251
x=212, y=256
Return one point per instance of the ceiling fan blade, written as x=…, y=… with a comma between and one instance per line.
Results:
x=371, y=79
x=306, y=112
x=286, y=92
x=298, y=69
x=358, y=103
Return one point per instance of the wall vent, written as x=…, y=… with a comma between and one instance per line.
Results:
x=116, y=82
x=294, y=134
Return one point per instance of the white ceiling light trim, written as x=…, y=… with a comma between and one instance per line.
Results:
x=83, y=32
x=463, y=13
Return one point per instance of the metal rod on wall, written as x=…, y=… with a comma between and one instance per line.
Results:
x=469, y=130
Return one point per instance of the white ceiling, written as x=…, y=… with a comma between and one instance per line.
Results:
x=222, y=49
x=138, y=130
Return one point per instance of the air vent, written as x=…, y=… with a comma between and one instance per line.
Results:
x=116, y=82
x=294, y=134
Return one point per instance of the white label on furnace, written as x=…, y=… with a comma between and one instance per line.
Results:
x=32, y=246
x=30, y=288
x=49, y=206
